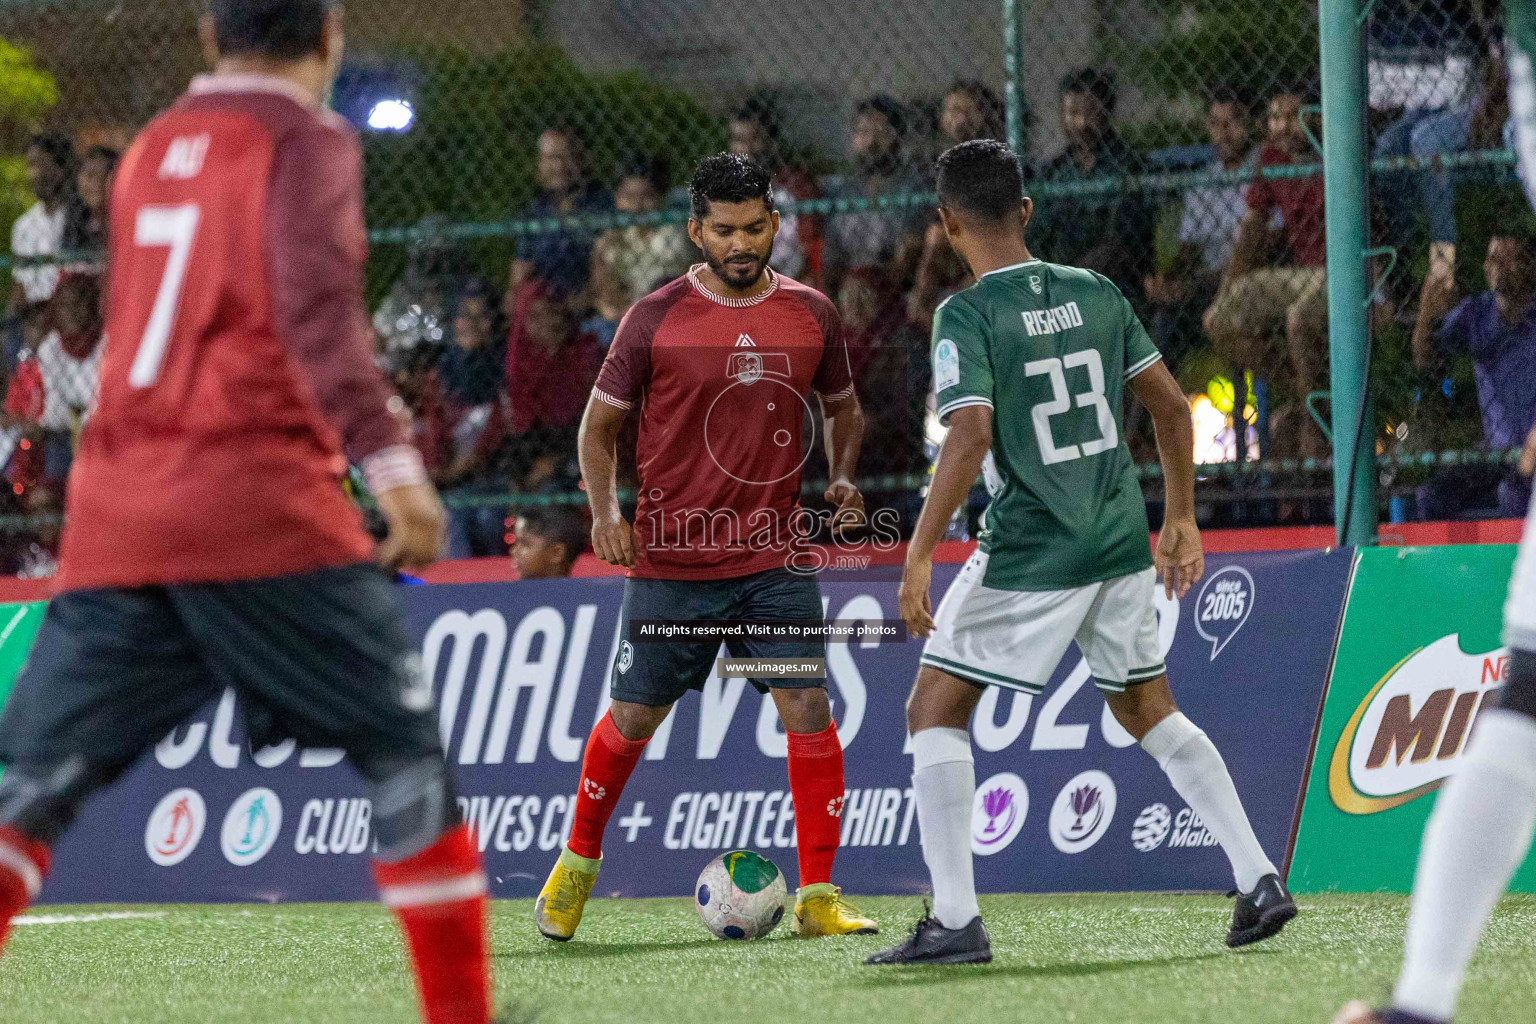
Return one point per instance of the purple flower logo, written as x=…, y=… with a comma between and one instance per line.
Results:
x=1082, y=812
x=998, y=812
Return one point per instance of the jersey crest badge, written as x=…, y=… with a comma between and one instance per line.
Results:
x=1035, y=285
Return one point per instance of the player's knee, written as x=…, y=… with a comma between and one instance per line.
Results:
x=1520, y=688
x=1140, y=707
x=42, y=801
x=807, y=709
x=637, y=722
x=413, y=804
x=940, y=701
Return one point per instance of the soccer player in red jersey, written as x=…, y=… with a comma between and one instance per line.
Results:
x=208, y=541
x=723, y=362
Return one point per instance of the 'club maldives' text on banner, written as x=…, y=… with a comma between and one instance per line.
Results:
x=1419, y=658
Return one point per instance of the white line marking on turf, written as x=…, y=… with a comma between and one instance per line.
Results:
x=122, y=915
x=1198, y=910
x=21, y=613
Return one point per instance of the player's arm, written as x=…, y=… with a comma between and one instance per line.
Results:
x=317, y=249
x=1179, y=559
x=597, y=446
x=966, y=445
x=843, y=426
x=842, y=417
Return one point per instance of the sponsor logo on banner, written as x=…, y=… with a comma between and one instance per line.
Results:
x=1151, y=827
x=1408, y=734
x=175, y=827
x=1223, y=607
x=1082, y=811
x=997, y=813
x=1157, y=824
x=251, y=826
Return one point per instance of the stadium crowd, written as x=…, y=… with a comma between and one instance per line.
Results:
x=1227, y=273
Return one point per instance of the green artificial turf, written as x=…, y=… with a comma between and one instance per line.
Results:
x=1091, y=959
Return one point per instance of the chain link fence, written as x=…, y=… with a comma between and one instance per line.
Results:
x=525, y=162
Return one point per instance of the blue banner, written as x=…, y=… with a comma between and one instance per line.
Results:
x=1066, y=801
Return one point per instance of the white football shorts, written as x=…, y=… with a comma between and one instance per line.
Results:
x=1016, y=638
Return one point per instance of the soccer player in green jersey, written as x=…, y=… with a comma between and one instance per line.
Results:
x=1483, y=819
x=1031, y=363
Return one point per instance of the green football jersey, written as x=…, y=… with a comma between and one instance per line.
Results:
x=1050, y=348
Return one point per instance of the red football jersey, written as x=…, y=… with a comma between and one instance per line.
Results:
x=725, y=390
x=238, y=376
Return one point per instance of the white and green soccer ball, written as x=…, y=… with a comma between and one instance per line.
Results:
x=740, y=895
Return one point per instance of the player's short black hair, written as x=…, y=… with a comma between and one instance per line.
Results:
x=728, y=178
x=1095, y=82
x=281, y=29
x=558, y=526
x=57, y=147
x=982, y=179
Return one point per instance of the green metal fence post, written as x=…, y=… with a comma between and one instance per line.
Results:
x=1013, y=66
x=1354, y=476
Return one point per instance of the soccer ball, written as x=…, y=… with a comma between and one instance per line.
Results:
x=740, y=895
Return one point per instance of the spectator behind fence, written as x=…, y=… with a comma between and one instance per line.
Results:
x=85, y=226
x=1498, y=330
x=633, y=261
x=38, y=557
x=563, y=257
x=889, y=237
x=1207, y=232
x=797, y=248
x=473, y=422
x=883, y=351
x=419, y=307
x=1479, y=122
x=969, y=111
x=551, y=367
x=1288, y=298
x=546, y=542
x=40, y=231
x=69, y=359
x=1110, y=232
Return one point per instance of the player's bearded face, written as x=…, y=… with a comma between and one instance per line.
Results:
x=737, y=240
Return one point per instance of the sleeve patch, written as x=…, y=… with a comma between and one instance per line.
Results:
x=946, y=365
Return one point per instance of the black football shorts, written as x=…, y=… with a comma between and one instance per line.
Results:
x=322, y=657
x=658, y=673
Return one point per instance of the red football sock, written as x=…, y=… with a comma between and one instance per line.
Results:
x=439, y=897
x=604, y=771
x=23, y=863
x=816, y=785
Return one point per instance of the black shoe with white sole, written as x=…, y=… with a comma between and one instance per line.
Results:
x=932, y=943
x=1260, y=914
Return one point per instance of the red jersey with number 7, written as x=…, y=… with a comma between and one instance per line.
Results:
x=238, y=376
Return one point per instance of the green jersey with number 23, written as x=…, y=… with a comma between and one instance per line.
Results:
x=1050, y=348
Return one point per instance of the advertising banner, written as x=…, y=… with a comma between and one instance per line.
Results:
x=1066, y=801
x=1419, y=657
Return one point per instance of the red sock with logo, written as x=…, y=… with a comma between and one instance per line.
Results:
x=439, y=895
x=816, y=785
x=609, y=760
x=23, y=863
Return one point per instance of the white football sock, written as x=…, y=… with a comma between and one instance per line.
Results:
x=1200, y=776
x=1477, y=835
x=944, y=783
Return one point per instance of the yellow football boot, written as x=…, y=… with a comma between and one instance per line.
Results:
x=821, y=910
x=564, y=896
